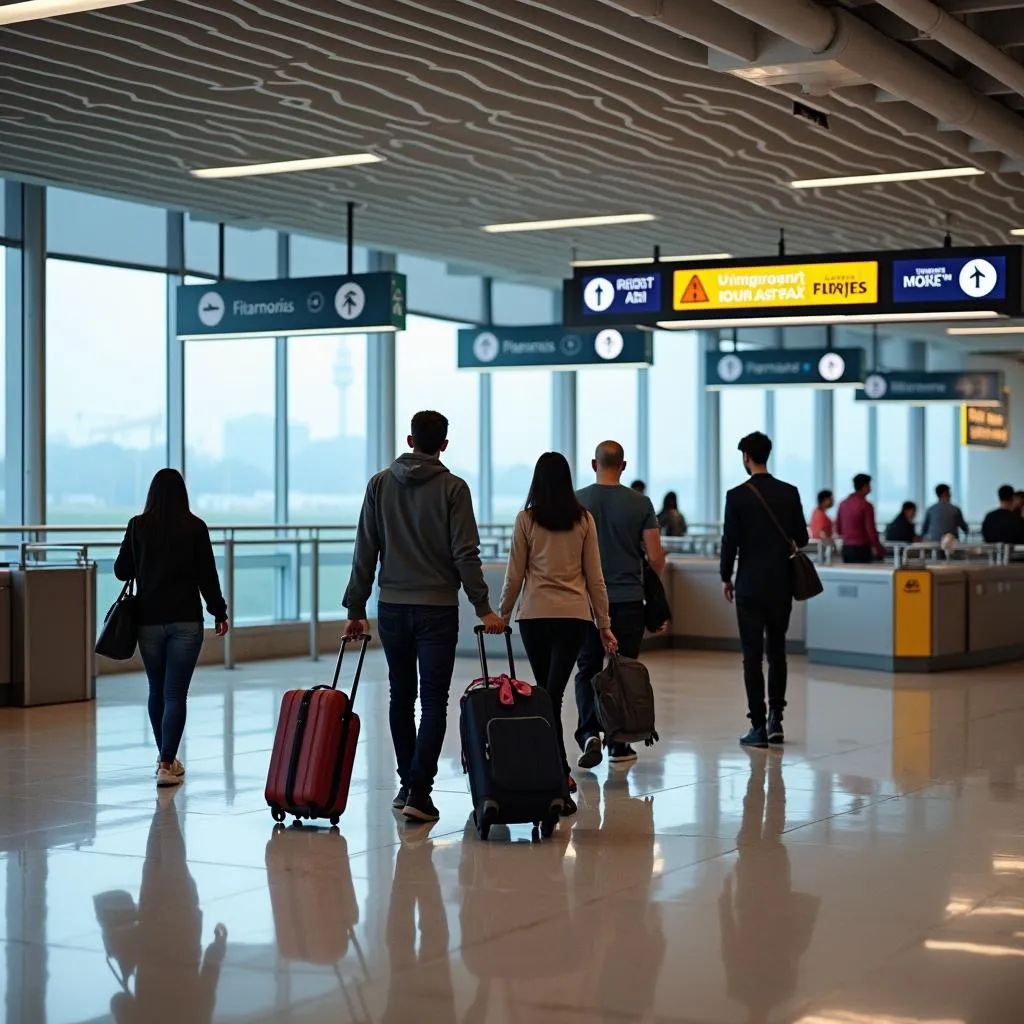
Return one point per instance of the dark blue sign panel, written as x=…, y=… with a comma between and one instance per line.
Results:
x=946, y=279
x=494, y=348
x=622, y=293
x=977, y=388
x=292, y=306
x=812, y=367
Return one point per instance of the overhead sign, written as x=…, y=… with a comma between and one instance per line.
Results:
x=943, y=279
x=291, y=306
x=910, y=284
x=495, y=348
x=622, y=293
x=977, y=388
x=984, y=427
x=781, y=367
x=774, y=287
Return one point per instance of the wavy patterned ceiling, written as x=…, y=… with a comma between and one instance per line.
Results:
x=487, y=110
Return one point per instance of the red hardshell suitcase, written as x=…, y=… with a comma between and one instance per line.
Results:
x=315, y=748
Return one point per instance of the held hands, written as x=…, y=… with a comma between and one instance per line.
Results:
x=611, y=645
x=356, y=627
x=221, y=628
x=727, y=590
x=493, y=623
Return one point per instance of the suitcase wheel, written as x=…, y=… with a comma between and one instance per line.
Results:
x=297, y=823
x=335, y=819
x=483, y=822
x=276, y=813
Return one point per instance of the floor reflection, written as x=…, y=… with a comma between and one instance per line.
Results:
x=155, y=948
x=766, y=926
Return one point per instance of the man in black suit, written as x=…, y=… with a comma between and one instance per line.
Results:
x=764, y=590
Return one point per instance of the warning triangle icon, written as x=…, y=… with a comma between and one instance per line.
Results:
x=694, y=291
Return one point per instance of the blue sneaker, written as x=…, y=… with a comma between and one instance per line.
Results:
x=757, y=737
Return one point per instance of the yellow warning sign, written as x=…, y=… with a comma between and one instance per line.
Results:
x=694, y=291
x=781, y=286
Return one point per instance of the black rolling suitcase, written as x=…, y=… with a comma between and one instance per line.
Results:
x=510, y=750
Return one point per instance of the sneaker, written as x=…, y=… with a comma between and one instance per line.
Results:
x=569, y=808
x=401, y=798
x=591, y=756
x=177, y=767
x=419, y=807
x=572, y=785
x=757, y=737
x=166, y=777
x=621, y=753
x=775, y=733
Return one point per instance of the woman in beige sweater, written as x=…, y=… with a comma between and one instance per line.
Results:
x=555, y=563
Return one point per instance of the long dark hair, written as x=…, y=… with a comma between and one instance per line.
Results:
x=671, y=503
x=552, y=499
x=167, y=501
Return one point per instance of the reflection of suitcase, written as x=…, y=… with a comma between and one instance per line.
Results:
x=315, y=748
x=511, y=753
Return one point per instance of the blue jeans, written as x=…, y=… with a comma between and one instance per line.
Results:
x=169, y=654
x=419, y=643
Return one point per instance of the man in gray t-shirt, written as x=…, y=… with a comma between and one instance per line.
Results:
x=943, y=517
x=626, y=528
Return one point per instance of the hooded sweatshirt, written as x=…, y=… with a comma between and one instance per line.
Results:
x=417, y=519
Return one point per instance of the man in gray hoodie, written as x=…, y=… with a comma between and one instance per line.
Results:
x=417, y=520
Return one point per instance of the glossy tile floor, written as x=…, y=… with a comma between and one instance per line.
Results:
x=871, y=874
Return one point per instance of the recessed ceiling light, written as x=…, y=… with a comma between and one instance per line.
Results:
x=636, y=260
x=1017, y=231
x=569, y=222
x=33, y=10
x=1012, y=329
x=317, y=163
x=879, y=179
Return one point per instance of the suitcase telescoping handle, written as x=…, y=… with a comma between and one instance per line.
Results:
x=479, y=630
x=364, y=639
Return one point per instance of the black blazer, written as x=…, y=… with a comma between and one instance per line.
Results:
x=171, y=569
x=748, y=529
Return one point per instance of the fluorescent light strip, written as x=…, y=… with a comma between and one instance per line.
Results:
x=817, y=319
x=33, y=10
x=1017, y=231
x=317, y=163
x=568, y=222
x=961, y=331
x=637, y=260
x=879, y=179
x=972, y=947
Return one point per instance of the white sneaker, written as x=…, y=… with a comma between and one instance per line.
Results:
x=167, y=777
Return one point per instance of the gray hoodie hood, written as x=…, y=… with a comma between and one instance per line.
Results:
x=413, y=468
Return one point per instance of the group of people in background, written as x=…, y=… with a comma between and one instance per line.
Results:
x=671, y=520
x=943, y=523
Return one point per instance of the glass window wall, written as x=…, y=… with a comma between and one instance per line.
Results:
x=941, y=448
x=606, y=410
x=515, y=304
x=794, y=441
x=318, y=257
x=740, y=412
x=521, y=430
x=434, y=289
x=850, y=444
x=894, y=485
x=97, y=227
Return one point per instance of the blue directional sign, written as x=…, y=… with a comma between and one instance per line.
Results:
x=292, y=306
x=980, y=388
x=622, y=293
x=949, y=279
x=493, y=348
x=778, y=367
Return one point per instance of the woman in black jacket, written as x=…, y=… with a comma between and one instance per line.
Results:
x=167, y=551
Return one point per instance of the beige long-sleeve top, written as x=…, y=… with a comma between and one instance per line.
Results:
x=558, y=573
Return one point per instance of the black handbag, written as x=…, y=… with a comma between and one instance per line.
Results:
x=120, y=633
x=657, y=610
x=803, y=576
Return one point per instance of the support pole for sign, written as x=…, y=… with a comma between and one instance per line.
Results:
x=485, y=496
x=221, y=235
x=824, y=428
x=782, y=241
x=350, y=243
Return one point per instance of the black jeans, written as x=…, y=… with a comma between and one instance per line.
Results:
x=423, y=635
x=552, y=645
x=628, y=626
x=763, y=623
x=857, y=554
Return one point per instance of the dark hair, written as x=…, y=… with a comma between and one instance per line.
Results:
x=638, y=485
x=909, y=506
x=670, y=503
x=943, y=491
x=861, y=480
x=429, y=431
x=757, y=446
x=167, y=500
x=823, y=496
x=552, y=499
x=1006, y=493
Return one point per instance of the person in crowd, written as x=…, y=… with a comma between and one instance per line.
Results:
x=168, y=553
x=639, y=486
x=627, y=528
x=671, y=521
x=855, y=524
x=555, y=553
x=1002, y=525
x=821, y=522
x=757, y=513
x=417, y=521
x=1018, y=503
x=903, y=529
x=943, y=519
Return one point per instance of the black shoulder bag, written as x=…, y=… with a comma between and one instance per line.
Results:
x=803, y=575
x=120, y=633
